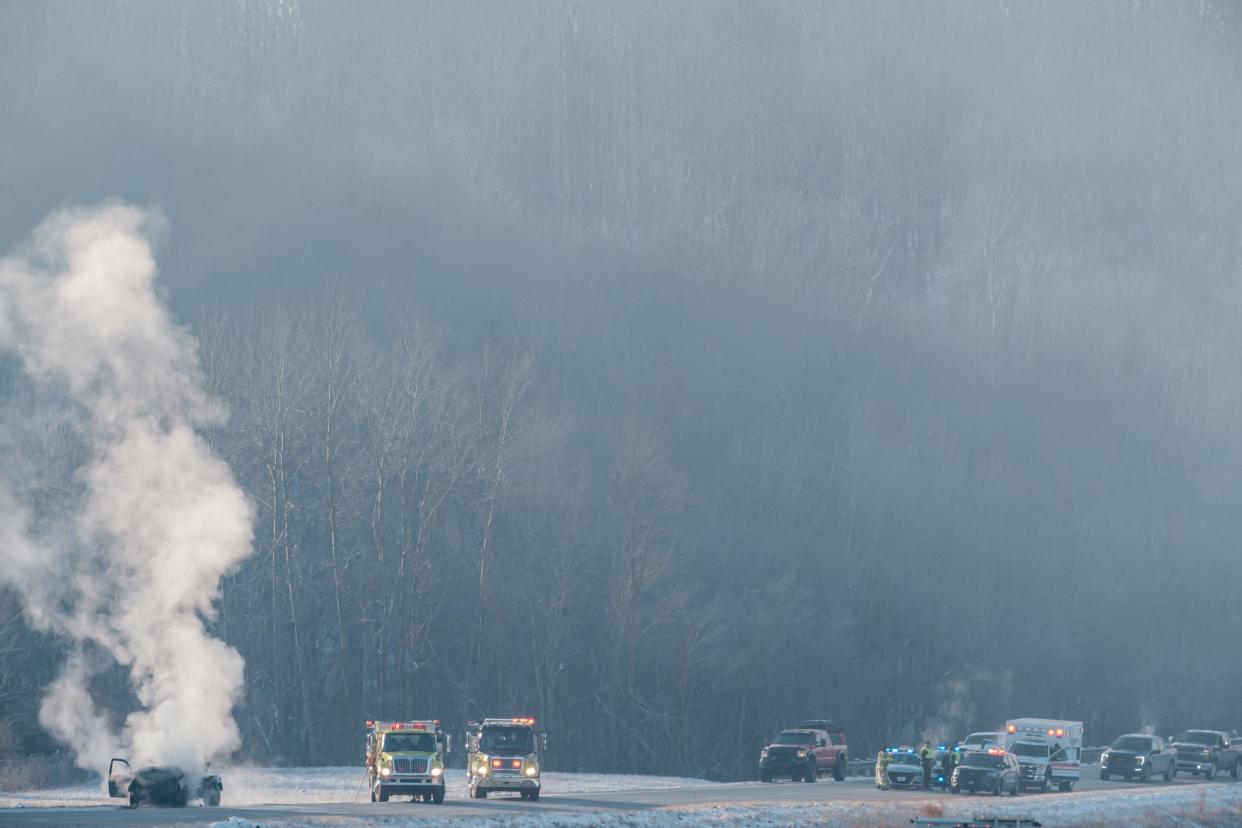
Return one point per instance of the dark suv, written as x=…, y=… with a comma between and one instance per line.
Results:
x=804, y=752
x=992, y=771
x=1139, y=756
x=1207, y=752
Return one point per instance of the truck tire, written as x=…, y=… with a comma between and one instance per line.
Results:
x=838, y=769
x=764, y=776
x=480, y=793
x=438, y=797
x=1103, y=776
x=811, y=772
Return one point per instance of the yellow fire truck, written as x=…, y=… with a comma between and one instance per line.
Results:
x=407, y=759
x=503, y=755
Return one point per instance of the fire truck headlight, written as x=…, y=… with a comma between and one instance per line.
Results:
x=532, y=768
x=802, y=754
x=437, y=771
x=385, y=771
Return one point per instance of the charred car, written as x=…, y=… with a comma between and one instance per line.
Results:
x=160, y=785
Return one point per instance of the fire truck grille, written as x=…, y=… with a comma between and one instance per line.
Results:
x=409, y=764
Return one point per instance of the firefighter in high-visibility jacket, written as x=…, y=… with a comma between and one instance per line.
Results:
x=882, y=761
x=928, y=758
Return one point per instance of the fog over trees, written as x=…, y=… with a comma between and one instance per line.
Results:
x=671, y=371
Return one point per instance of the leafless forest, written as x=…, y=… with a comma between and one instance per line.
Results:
x=670, y=371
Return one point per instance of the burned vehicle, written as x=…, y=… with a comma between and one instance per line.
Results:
x=160, y=785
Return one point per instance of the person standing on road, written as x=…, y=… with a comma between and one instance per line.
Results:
x=928, y=756
x=952, y=760
x=881, y=769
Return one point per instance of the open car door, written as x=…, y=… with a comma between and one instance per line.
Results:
x=119, y=774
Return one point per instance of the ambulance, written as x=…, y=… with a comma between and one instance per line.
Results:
x=1049, y=752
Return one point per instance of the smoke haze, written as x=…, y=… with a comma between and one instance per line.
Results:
x=133, y=570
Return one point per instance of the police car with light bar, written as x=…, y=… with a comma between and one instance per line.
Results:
x=905, y=768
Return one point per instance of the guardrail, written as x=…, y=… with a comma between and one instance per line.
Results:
x=979, y=822
x=860, y=767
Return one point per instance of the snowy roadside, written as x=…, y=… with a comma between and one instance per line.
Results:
x=1197, y=807
x=244, y=786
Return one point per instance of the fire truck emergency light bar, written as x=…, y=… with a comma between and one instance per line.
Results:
x=429, y=724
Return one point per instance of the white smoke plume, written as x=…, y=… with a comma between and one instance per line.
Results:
x=133, y=573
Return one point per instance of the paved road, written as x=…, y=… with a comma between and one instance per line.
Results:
x=738, y=794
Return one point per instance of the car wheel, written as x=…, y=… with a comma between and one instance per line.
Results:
x=383, y=794
x=1104, y=776
x=838, y=769
x=764, y=776
x=480, y=793
x=534, y=795
x=438, y=797
x=811, y=772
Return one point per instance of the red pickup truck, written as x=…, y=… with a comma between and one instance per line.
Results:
x=804, y=752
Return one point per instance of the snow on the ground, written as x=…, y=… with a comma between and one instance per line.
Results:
x=1185, y=806
x=265, y=786
x=271, y=786
x=1208, y=806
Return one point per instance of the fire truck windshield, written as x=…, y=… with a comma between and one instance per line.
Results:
x=516, y=739
x=409, y=743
